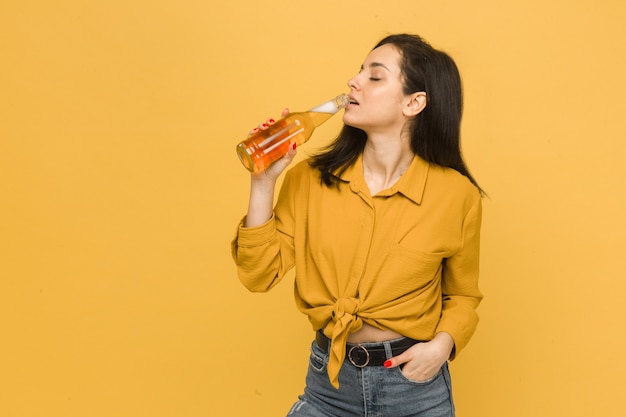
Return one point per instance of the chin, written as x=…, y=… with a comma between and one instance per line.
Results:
x=349, y=122
x=355, y=125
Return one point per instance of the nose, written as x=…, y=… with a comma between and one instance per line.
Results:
x=352, y=83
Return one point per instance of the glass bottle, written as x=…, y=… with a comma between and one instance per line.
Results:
x=264, y=147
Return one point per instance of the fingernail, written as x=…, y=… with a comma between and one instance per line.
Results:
x=387, y=364
x=293, y=146
x=265, y=125
x=271, y=121
x=255, y=129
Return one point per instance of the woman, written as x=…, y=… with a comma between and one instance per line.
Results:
x=383, y=229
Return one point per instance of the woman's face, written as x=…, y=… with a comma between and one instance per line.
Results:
x=376, y=93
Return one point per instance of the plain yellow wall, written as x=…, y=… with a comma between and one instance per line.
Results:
x=120, y=191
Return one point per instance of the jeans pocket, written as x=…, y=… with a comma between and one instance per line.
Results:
x=318, y=360
x=424, y=382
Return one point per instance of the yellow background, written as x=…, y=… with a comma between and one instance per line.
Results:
x=120, y=191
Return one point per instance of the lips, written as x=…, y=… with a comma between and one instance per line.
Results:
x=352, y=100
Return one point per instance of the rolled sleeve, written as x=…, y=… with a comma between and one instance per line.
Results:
x=256, y=252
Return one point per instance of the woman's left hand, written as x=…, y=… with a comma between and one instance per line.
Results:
x=422, y=361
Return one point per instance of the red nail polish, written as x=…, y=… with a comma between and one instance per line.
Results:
x=265, y=125
x=293, y=146
x=387, y=364
x=271, y=120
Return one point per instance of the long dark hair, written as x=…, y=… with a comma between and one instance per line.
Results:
x=435, y=132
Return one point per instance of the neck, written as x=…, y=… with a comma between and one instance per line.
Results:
x=385, y=160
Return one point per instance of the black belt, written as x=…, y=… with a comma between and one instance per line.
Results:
x=368, y=354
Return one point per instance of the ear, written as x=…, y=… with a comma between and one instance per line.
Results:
x=416, y=102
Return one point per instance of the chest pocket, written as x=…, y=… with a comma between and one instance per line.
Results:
x=413, y=266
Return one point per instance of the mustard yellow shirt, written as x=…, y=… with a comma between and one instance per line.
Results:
x=405, y=259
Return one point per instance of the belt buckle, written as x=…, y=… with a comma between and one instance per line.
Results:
x=362, y=356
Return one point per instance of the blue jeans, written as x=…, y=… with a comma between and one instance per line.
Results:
x=373, y=391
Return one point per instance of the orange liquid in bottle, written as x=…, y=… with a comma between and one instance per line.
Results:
x=265, y=147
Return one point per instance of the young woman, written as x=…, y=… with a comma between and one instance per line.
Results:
x=383, y=229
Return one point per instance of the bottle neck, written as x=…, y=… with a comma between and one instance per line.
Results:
x=332, y=106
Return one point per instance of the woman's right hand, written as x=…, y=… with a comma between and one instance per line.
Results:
x=273, y=171
x=260, y=205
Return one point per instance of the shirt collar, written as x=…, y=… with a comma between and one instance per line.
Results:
x=411, y=184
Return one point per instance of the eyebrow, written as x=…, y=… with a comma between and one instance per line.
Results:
x=377, y=64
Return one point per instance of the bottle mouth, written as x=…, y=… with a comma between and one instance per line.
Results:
x=342, y=101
